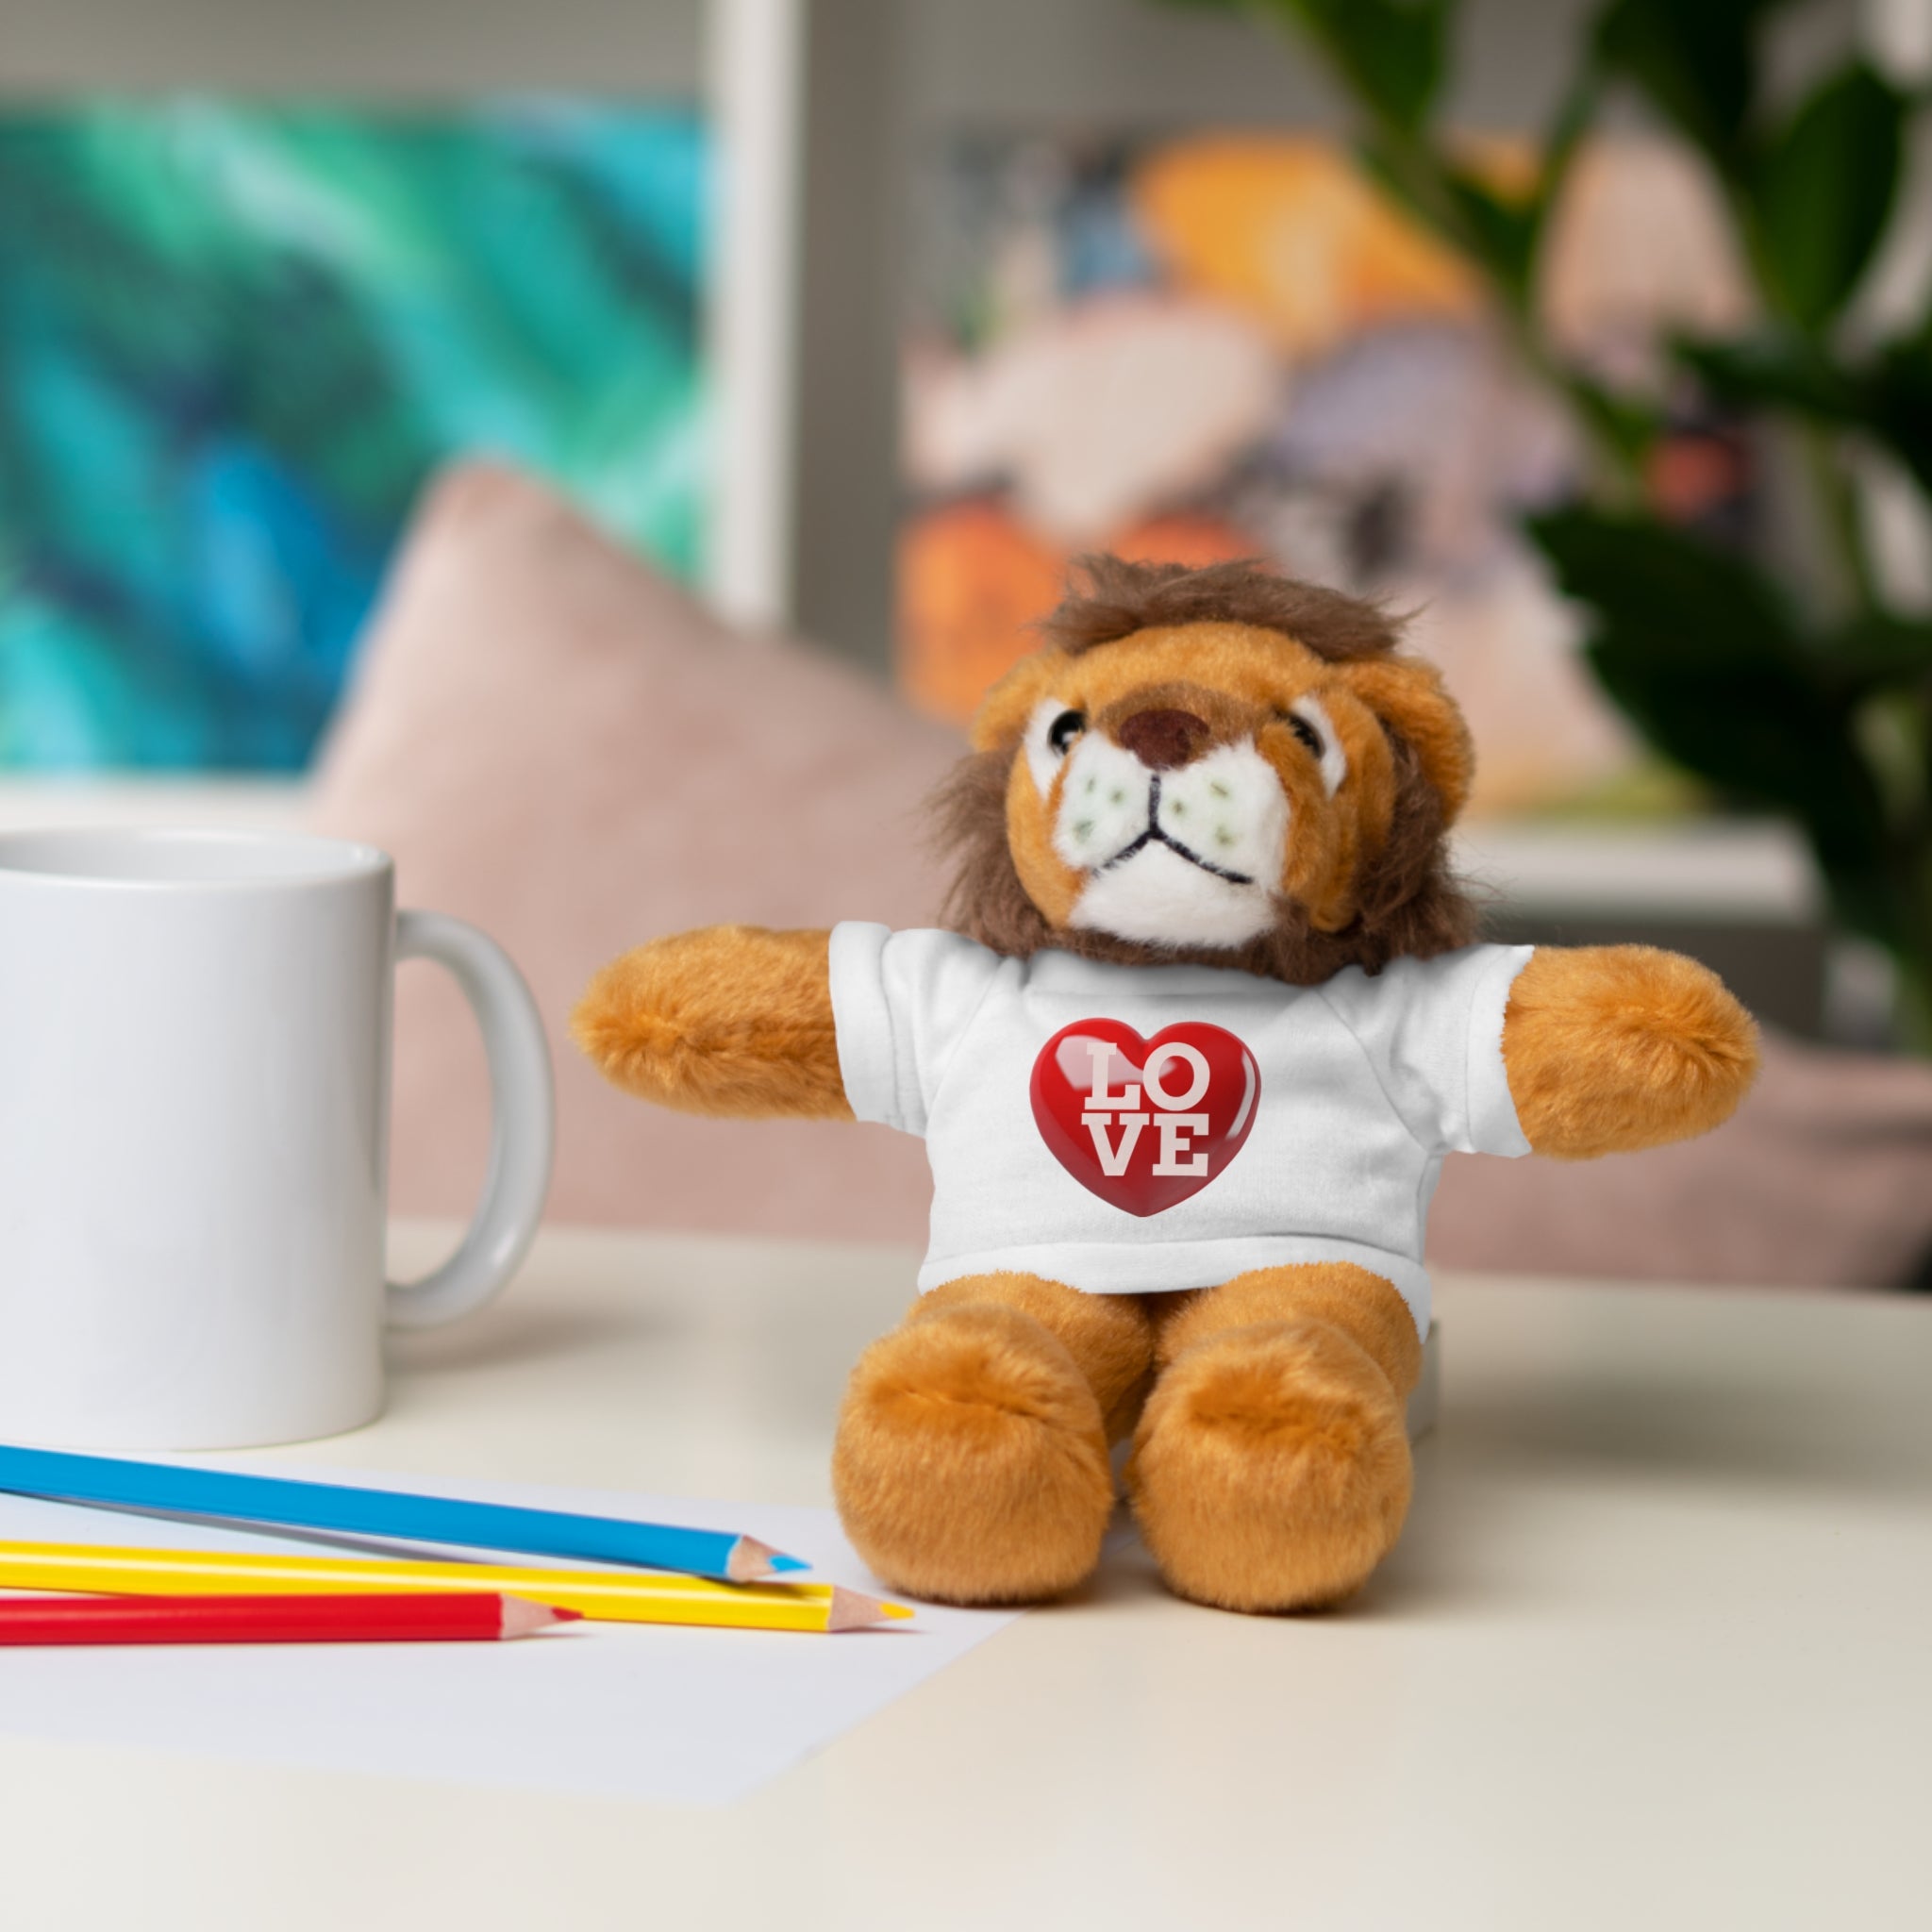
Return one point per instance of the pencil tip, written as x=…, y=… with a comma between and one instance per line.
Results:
x=849, y=1611
x=523, y=1618
x=751, y=1560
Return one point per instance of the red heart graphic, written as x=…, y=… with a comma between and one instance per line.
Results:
x=1143, y=1124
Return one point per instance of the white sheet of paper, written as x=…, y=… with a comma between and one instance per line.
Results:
x=637, y=1711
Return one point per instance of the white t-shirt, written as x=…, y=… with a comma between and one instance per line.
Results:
x=1271, y=1123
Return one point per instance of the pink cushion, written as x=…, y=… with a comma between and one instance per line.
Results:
x=558, y=744
x=1823, y=1178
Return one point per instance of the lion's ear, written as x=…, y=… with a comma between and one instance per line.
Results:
x=1004, y=711
x=1408, y=696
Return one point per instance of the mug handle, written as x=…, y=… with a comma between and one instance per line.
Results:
x=521, y=1124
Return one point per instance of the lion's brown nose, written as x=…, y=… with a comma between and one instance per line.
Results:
x=1163, y=740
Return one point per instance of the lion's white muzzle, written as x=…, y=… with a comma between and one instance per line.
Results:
x=1187, y=856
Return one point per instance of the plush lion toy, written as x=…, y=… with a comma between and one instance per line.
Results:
x=1187, y=1066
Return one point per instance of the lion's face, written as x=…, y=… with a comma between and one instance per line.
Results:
x=1190, y=787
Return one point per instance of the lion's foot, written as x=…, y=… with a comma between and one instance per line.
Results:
x=1271, y=1470
x=971, y=1465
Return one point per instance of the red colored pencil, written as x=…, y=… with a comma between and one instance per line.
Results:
x=392, y=1618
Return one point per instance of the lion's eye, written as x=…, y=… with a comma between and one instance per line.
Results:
x=1064, y=729
x=1305, y=731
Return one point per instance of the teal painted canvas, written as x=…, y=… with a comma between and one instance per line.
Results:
x=235, y=340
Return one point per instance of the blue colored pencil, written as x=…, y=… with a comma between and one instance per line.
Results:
x=172, y=1490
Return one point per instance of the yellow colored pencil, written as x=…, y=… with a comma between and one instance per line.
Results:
x=608, y=1596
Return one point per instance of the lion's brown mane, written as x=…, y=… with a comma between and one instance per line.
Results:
x=1120, y=598
x=1411, y=905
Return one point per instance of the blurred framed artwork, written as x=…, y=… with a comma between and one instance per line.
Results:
x=1205, y=346
x=235, y=338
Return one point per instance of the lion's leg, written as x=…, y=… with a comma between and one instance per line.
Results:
x=970, y=1464
x=1271, y=1468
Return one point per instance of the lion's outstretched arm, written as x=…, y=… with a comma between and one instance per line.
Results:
x=726, y=1020
x=1613, y=1048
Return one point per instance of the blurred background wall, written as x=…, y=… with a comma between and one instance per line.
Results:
x=860, y=180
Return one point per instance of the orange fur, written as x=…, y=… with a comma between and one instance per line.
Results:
x=1613, y=1048
x=1110, y=1337
x=1051, y=883
x=1271, y=1470
x=726, y=1020
x=1363, y=1305
x=1239, y=679
x=1410, y=694
x=970, y=1463
x=1003, y=710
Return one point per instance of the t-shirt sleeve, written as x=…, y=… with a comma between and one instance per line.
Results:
x=1432, y=1030
x=900, y=1003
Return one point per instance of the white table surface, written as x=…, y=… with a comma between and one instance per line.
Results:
x=1656, y=1650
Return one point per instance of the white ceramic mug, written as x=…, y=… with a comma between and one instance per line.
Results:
x=194, y=1055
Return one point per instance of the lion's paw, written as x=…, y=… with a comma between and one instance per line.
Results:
x=1271, y=1470
x=970, y=1464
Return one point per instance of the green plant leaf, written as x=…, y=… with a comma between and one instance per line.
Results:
x=1755, y=735
x=1704, y=653
x=1629, y=424
x=1696, y=607
x=1696, y=61
x=1875, y=651
x=1502, y=234
x=1887, y=397
x=1898, y=411
x=1389, y=52
x=1415, y=192
x=1776, y=370
x=1822, y=190
x=1498, y=237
